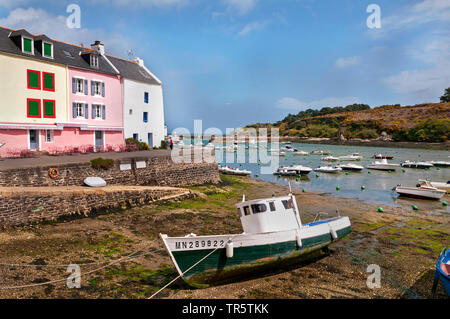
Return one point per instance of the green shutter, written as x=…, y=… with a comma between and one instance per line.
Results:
x=48, y=50
x=27, y=45
x=33, y=79
x=49, y=109
x=33, y=108
x=48, y=81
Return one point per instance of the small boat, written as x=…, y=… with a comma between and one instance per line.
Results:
x=380, y=156
x=320, y=153
x=383, y=165
x=328, y=169
x=300, y=169
x=353, y=157
x=275, y=151
x=439, y=185
x=330, y=159
x=440, y=163
x=298, y=152
x=284, y=171
x=351, y=167
x=442, y=272
x=411, y=164
x=423, y=191
x=94, y=182
x=274, y=236
x=233, y=171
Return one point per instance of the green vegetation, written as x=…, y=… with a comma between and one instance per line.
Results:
x=142, y=146
x=446, y=97
x=102, y=163
x=427, y=131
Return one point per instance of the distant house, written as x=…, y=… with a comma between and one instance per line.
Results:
x=57, y=96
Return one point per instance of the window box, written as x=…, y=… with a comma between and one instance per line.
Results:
x=33, y=108
x=49, y=108
x=33, y=79
x=48, y=80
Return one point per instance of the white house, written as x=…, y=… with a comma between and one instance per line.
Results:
x=143, y=107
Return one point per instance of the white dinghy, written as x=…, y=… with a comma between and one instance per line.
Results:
x=233, y=171
x=94, y=182
x=383, y=165
x=328, y=169
x=351, y=167
x=425, y=191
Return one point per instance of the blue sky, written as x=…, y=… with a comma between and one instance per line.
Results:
x=235, y=62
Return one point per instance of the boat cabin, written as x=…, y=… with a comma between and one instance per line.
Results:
x=269, y=214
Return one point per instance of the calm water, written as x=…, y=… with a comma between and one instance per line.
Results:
x=378, y=184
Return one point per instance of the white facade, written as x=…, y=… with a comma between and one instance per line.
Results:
x=134, y=106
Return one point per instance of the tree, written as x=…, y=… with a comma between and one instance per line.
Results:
x=446, y=97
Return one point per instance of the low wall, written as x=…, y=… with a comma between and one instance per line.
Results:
x=160, y=171
x=24, y=206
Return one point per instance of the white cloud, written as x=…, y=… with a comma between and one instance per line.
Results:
x=38, y=21
x=346, y=62
x=240, y=6
x=289, y=103
x=253, y=26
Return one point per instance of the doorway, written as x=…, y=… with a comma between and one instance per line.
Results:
x=99, y=139
x=150, y=140
x=34, y=140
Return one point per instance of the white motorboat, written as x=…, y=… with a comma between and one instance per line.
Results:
x=299, y=169
x=285, y=171
x=275, y=151
x=298, y=152
x=351, y=167
x=330, y=159
x=273, y=235
x=233, y=171
x=440, y=163
x=353, y=157
x=425, y=191
x=320, y=153
x=383, y=165
x=328, y=169
x=440, y=185
x=411, y=164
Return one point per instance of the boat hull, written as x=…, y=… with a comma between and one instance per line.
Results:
x=382, y=167
x=250, y=256
x=428, y=194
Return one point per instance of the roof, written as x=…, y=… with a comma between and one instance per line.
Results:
x=63, y=53
x=131, y=70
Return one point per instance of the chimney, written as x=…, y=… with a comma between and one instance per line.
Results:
x=99, y=47
x=139, y=61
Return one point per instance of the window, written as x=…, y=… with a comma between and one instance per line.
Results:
x=258, y=208
x=79, y=85
x=27, y=45
x=47, y=50
x=48, y=136
x=246, y=210
x=97, y=111
x=33, y=79
x=145, y=117
x=80, y=109
x=130, y=112
x=33, y=108
x=49, y=108
x=48, y=80
x=67, y=54
x=146, y=97
x=97, y=88
x=135, y=136
x=272, y=206
x=94, y=60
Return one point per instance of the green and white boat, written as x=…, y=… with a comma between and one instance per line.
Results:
x=273, y=237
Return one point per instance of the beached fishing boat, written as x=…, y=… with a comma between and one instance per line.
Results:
x=440, y=185
x=423, y=191
x=233, y=171
x=328, y=169
x=353, y=157
x=351, y=167
x=411, y=164
x=383, y=165
x=274, y=236
x=442, y=272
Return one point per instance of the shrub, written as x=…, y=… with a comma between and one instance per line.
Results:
x=102, y=163
x=163, y=145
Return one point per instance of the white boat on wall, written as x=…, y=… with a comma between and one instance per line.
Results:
x=425, y=191
x=328, y=169
x=274, y=236
x=353, y=157
x=233, y=171
x=440, y=185
x=411, y=164
x=383, y=165
x=351, y=167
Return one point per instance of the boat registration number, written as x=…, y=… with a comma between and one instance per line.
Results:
x=196, y=244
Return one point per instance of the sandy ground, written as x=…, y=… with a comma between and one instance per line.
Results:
x=404, y=243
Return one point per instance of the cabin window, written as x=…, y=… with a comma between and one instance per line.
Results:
x=258, y=208
x=272, y=206
x=287, y=204
x=246, y=210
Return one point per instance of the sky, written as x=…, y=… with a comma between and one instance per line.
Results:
x=231, y=63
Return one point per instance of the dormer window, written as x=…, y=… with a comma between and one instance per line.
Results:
x=94, y=60
x=47, y=50
x=27, y=45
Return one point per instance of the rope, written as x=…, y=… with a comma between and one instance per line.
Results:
x=87, y=273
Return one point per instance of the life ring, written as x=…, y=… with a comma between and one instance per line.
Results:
x=53, y=173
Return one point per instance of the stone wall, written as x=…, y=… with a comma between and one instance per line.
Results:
x=24, y=206
x=161, y=171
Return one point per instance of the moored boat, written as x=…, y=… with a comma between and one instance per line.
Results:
x=423, y=191
x=351, y=167
x=330, y=159
x=233, y=171
x=383, y=165
x=299, y=169
x=440, y=163
x=380, y=156
x=319, y=152
x=411, y=164
x=353, y=157
x=328, y=169
x=439, y=185
x=285, y=171
x=274, y=236
x=298, y=152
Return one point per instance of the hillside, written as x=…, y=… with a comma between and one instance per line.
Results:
x=419, y=123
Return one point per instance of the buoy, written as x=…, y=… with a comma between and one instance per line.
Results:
x=279, y=176
x=368, y=172
x=303, y=190
x=346, y=173
x=256, y=175
x=363, y=187
x=317, y=175
x=414, y=207
x=297, y=179
x=444, y=203
x=338, y=188
x=380, y=209
x=438, y=169
x=299, y=240
x=426, y=168
x=389, y=171
x=229, y=249
x=403, y=170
